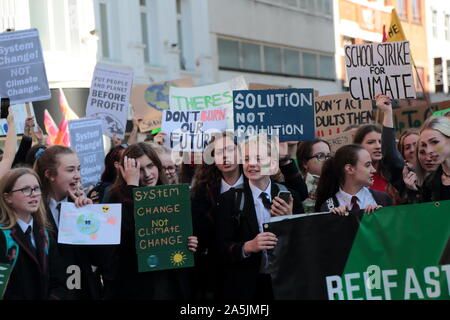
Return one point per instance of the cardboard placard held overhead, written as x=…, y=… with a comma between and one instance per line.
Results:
x=286, y=113
x=150, y=100
x=334, y=113
x=191, y=131
x=87, y=141
x=22, y=69
x=20, y=116
x=339, y=140
x=109, y=98
x=380, y=68
x=219, y=95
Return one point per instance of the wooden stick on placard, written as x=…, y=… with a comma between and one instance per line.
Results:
x=29, y=115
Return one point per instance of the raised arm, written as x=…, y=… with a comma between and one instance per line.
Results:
x=10, y=145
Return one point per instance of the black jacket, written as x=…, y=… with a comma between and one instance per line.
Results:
x=36, y=275
x=233, y=229
x=432, y=187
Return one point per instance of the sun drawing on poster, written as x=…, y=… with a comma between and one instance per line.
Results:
x=178, y=258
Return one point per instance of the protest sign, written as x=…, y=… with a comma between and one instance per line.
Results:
x=87, y=140
x=219, y=95
x=441, y=113
x=94, y=224
x=367, y=262
x=22, y=69
x=191, y=131
x=288, y=113
x=262, y=86
x=109, y=98
x=380, y=68
x=150, y=100
x=414, y=117
x=20, y=115
x=337, y=141
x=163, y=221
x=5, y=272
x=334, y=113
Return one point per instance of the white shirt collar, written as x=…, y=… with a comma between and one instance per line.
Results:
x=24, y=226
x=52, y=205
x=345, y=198
x=224, y=187
x=256, y=192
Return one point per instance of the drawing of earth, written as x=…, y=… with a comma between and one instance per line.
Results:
x=111, y=123
x=88, y=223
x=157, y=96
x=152, y=261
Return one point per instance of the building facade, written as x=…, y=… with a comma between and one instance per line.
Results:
x=362, y=21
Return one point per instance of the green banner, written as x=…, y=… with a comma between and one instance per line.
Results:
x=163, y=223
x=441, y=113
x=5, y=272
x=399, y=253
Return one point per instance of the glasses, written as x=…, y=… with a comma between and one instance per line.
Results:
x=169, y=169
x=27, y=191
x=320, y=157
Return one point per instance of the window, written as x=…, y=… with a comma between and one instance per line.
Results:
x=272, y=59
x=291, y=62
x=292, y=3
x=326, y=64
x=250, y=56
x=416, y=12
x=180, y=35
x=434, y=24
x=309, y=65
x=402, y=9
x=104, y=30
x=228, y=53
x=144, y=29
x=39, y=19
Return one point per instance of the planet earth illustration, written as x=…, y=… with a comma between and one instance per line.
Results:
x=88, y=223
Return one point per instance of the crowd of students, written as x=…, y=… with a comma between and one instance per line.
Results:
x=231, y=201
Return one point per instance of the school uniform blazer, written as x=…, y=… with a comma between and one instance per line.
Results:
x=381, y=198
x=35, y=276
x=233, y=229
x=103, y=257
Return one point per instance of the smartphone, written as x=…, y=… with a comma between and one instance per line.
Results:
x=284, y=195
x=4, y=108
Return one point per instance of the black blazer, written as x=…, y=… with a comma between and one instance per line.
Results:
x=233, y=230
x=381, y=198
x=36, y=275
x=95, y=285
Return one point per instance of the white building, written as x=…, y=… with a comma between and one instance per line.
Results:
x=438, y=34
x=277, y=42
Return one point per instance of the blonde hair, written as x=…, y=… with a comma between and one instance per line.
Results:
x=441, y=124
x=8, y=216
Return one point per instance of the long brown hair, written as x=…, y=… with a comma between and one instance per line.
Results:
x=136, y=151
x=304, y=151
x=7, y=213
x=49, y=161
x=405, y=134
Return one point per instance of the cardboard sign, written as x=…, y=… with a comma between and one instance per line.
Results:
x=20, y=115
x=286, y=113
x=339, y=140
x=380, y=68
x=191, y=131
x=412, y=117
x=149, y=101
x=162, y=216
x=94, y=224
x=22, y=69
x=334, y=113
x=5, y=272
x=87, y=140
x=218, y=95
x=109, y=98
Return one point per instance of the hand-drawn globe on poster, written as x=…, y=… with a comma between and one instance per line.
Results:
x=157, y=96
x=152, y=261
x=111, y=123
x=88, y=223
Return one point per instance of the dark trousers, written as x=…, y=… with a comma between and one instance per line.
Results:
x=264, y=289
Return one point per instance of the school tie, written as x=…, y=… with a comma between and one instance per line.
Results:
x=58, y=208
x=355, y=205
x=28, y=239
x=265, y=200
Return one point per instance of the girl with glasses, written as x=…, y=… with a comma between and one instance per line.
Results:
x=311, y=155
x=25, y=243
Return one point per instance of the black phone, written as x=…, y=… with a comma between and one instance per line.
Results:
x=4, y=109
x=284, y=195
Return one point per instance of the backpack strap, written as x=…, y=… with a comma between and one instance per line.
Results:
x=12, y=248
